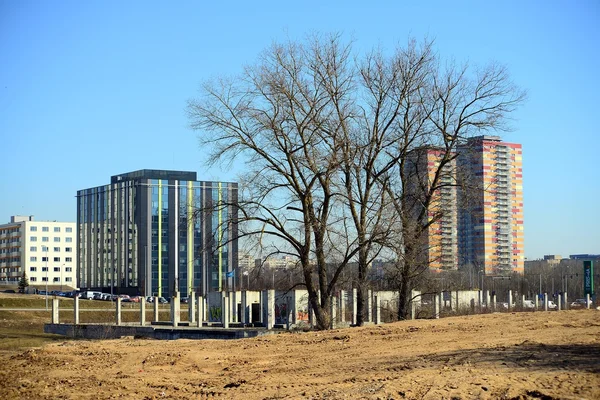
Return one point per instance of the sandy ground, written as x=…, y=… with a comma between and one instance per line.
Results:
x=552, y=355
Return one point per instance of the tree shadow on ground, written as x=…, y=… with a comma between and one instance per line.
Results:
x=528, y=354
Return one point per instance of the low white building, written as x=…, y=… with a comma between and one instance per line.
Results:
x=45, y=250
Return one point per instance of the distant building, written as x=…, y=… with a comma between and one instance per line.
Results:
x=440, y=242
x=491, y=205
x=45, y=250
x=151, y=231
x=475, y=216
x=584, y=256
x=552, y=259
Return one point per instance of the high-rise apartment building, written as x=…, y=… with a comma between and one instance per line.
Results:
x=490, y=227
x=46, y=251
x=440, y=240
x=151, y=231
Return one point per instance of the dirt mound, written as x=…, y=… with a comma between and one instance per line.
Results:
x=552, y=355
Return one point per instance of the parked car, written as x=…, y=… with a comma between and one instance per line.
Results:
x=149, y=299
x=185, y=300
x=162, y=300
x=552, y=305
x=579, y=303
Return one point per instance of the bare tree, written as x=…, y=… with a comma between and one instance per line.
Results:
x=275, y=115
x=331, y=143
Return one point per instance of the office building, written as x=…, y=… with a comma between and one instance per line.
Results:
x=46, y=251
x=490, y=227
x=149, y=232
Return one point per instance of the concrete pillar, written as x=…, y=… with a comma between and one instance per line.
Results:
x=545, y=301
x=522, y=301
x=76, y=310
x=55, y=305
x=233, y=317
x=537, y=302
x=413, y=304
x=587, y=301
x=436, y=306
x=192, y=307
x=244, y=316
x=558, y=302
x=332, y=312
x=440, y=300
x=142, y=311
x=118, y=311
x=225, y=309
x=342, y=304
x=494, y=302
x=488, y=305
x=291, y=310
x=156, y=308
x=457, y=302
x=377, y=310
x=268, y=310
x=175, y=309
x=369, y=305
x=354, y=305
x=510, y=300
x=200, y=311
x=565, y=301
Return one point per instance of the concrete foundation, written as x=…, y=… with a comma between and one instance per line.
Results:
x=95, y=331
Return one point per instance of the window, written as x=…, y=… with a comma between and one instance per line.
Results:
x=56, y=279
x=33, y=229
x=33, y=248
x=44, y=259
x=33, y=239
x=32, y=269
x=44, y=229
x=56, y=259
x=56, y=269
x=68, y=230
x=44, y=279
x=44, y=248
x=33, y=258
x=68, y=249
x=57, y=229
x=56, y=239
x=44, y=269
x=68, y=240
x=68, y=269
x=45, y=239
x=57, y=249
x=68, y=259
x=68, y=279
x=33, y=279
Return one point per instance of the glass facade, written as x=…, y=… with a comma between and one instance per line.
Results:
x=146, y=235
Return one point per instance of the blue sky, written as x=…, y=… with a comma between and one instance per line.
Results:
x=90, y=89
